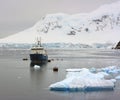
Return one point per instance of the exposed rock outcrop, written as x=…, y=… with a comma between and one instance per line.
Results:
x=118, y=45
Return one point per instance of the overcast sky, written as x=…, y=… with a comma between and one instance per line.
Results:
x=17, y=15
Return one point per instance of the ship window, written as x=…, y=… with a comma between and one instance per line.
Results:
x=38, y=51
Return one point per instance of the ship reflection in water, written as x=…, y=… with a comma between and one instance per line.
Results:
x=38, y=54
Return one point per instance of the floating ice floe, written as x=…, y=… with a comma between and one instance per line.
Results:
x=111, y=69
x=85, y=80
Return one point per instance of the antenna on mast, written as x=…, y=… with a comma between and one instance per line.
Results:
x=40, y=41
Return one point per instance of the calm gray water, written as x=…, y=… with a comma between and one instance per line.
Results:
x=18, y=81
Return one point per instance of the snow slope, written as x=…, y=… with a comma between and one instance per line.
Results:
x=101, y=25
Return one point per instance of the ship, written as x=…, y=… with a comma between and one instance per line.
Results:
x=38, y=54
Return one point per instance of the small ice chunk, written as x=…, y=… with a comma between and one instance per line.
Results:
x=117, y=77
x=36, y=67
x=93, y=70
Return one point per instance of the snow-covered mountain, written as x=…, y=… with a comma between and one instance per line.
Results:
x=99, y=26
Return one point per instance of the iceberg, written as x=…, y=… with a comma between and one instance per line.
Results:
x=84, y=80
x=82, y=85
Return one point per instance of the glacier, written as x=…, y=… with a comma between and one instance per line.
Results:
x=86, y=80
x=57, y=45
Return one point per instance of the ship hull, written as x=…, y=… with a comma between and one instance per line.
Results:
x=38, y=58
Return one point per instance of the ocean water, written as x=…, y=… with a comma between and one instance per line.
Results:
x=19, y=81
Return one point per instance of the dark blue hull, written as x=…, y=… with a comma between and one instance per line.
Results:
x=38, y=58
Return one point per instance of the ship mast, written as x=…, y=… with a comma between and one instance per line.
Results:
x=39, y=41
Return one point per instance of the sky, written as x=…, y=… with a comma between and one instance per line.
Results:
x=18, y=15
